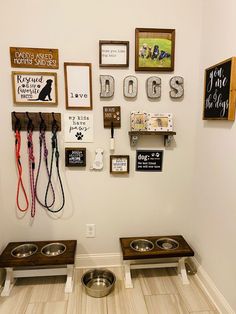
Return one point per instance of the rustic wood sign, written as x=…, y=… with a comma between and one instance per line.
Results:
x=75, y=157
x=149, y=160
x=34, y=88
x=111, y=114
x=45, y=58
x=119, y=164
x=220, y=91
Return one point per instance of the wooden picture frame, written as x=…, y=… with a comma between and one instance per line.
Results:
x=138, y=121
x=119, y=164
x=34, y=88
x=78, y=85
x=159, y=122
x=75, y=157
x=220, y=91
x=154, y=49
x=113, y=54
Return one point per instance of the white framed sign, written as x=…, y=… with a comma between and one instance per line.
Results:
x=34, y=88
x=78, y=127
x=159, y=122
x=78, y=85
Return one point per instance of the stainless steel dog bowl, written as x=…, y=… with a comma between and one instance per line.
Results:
x=141, y=245
x=53, y=249
x=98, y=282
x=167, y=244
x=24, y=250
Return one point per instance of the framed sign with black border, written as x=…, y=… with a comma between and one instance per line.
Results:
x=149, y=160
x=220, y=91
x=119, y=164
x=75, y=157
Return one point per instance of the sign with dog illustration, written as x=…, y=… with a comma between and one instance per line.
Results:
x=154, y=49
x=34, y=88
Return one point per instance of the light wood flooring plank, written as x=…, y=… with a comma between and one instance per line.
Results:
x=47, y=308
x=156, y=281
x=165, y=304
x=192, y=295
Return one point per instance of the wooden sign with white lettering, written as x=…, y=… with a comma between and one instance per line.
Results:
x=44, y=58
x=220, y=91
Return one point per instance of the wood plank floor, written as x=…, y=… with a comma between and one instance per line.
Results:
x=156, y=291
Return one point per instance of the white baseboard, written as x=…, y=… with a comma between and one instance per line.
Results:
x=98, y=260
x=211, y=290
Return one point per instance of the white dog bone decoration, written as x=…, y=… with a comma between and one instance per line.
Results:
x=98, y=161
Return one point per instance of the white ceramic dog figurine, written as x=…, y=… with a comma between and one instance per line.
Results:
x=98, y=161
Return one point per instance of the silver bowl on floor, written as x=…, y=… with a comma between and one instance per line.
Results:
x=142, y=245
x=167, y=244
x=24, y=250
x=53, y=249
x=98, y=282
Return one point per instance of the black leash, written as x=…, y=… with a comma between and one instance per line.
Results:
x=55, y=152
x=43, y=147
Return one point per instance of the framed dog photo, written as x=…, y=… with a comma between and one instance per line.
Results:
x=154, y=49
x=34, y=88
x=78, y=85
x=159, y=122
x=113, y=53
x=138, y=121
x=119, y=164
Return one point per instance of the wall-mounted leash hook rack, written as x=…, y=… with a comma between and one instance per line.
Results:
x=37, y=119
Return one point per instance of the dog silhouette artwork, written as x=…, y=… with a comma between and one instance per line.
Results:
x=45, y=92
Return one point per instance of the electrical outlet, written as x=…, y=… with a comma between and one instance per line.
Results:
x=90, y=231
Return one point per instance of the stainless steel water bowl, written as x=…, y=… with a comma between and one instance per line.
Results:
x=98, y=282
x=24, y=250
x=167, y=244
x=142, y=245
x=53, y=249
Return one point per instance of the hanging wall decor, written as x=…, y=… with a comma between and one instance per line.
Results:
x=130, y=86
x=78, y=127
x=138, y=121
x=154, y=49
x=107, y=86
x=34, y=88
x=46, y=58
x=153, y=87
x=177, y=87
x=149, y=160
x=78, y=85
x=75, y=157
x=111, y=114
x=159, y=122
x=119, y=164
x=113, y=53
x=220, y=91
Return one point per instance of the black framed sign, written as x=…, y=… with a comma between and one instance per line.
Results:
x=75, y=157
x=220, y=91
x=149, y=160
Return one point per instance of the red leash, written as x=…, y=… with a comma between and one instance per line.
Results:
x=20, y=184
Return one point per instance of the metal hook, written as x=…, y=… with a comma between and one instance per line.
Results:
x=30, y=126
x=42, y=126
x=17, y=123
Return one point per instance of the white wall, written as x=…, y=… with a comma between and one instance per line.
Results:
x=214, y=232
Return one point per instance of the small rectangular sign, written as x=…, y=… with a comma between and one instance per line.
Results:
x=78, y=127
x=111, y=114
x=149, y=160
x=75, y=157
x=44, y=58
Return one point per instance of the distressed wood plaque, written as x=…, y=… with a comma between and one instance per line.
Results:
x=45, y=58
x=111, y=114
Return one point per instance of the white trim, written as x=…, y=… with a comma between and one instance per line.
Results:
x=211, y=290
x=98, y=260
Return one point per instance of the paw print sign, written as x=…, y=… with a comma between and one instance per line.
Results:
x=79, y=127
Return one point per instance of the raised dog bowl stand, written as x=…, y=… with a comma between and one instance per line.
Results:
x=156, y=257
x=37, y=264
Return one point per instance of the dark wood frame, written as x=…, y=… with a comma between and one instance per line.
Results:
x=113, y=42
x=154, y=30
x=34, y=102
x=232, y=91
x=119, y=156
x=68, y=149
x=89, y=65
